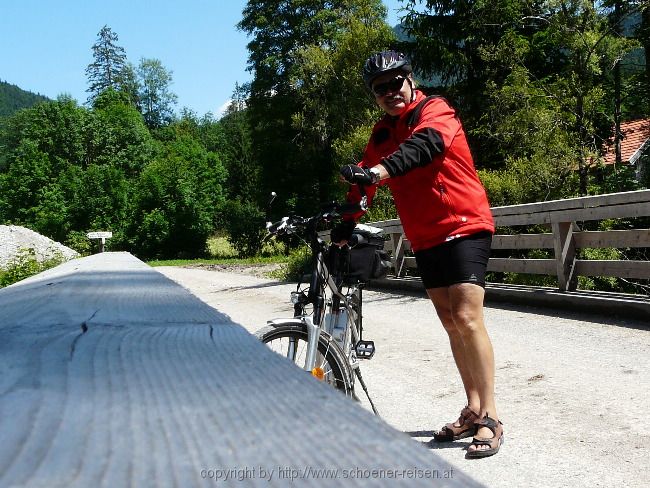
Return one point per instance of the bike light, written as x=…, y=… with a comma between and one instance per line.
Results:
x=318, y=373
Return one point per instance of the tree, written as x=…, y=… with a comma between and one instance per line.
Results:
x=109, y=65
x=234, y=143
x=306, y=87
x=557, y=56
x=155, y=99
x=591, y=50
x=130, y=85
x=451, y=43
x=177, y=198
x=116, y=134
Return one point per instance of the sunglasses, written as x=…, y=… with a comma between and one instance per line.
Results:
x=380, y=89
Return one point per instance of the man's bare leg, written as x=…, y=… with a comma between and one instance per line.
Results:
x=470, y=344
x=440, y=299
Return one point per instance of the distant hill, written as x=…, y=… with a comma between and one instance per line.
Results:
x=13, y=98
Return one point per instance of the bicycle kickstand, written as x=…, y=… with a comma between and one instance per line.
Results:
x=365, y=389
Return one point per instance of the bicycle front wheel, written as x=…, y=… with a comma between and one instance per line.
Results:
x=290, y=341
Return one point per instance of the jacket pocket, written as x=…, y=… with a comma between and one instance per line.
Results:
x=447, y=202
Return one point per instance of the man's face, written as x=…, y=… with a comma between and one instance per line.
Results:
x=392, y=92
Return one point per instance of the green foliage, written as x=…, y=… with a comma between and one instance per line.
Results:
x=297, y=265
x=306, y=93
x=244, y=223
x=382, y=208
x=603, y=283
x=176, y=199
x=155, y=98
x=79, y=241
x=24, y=265
x=54, y=128
x=13, y=98
x=533, y=82
x=117, y=135
x=72, y=169
x=220, y=248
x=109, y=69
x=232, y=138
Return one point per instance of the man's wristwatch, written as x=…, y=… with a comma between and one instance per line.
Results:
x=375, y=175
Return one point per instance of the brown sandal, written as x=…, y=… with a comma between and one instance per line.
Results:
x=494, y=442
x=451, y=432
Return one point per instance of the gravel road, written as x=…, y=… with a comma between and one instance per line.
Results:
x=572, y=390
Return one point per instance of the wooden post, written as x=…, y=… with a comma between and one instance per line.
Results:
x=565, y=255
x=101, y=236
x=398, y=253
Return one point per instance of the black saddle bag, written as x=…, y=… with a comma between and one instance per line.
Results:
x=364, y=260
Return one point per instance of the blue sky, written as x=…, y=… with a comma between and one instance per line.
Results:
x=45, y=45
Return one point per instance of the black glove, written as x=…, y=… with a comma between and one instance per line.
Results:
x=358, y=175
x=342, y=231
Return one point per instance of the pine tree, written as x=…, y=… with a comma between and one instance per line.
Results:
x=108, y=68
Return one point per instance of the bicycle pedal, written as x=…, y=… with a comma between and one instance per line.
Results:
x=365, y=349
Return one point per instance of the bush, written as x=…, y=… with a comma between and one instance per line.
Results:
x=297, y=265
x=244, y=223
x=79, y=241
x=25, y=265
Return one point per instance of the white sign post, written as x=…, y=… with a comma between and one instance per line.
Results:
x=102, y=236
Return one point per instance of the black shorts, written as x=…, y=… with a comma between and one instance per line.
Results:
x=462, y=260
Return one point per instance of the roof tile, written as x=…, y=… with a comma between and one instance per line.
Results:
x=635, y=134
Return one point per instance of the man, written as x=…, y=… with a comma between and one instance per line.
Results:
x=420, y=151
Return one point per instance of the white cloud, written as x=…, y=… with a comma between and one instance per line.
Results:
x=222, y=109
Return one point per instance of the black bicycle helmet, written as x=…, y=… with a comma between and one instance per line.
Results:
x=382, y=62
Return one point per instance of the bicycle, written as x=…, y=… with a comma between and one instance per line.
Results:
x=324, y=337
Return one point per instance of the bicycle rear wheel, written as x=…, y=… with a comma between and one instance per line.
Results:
x=290, y=341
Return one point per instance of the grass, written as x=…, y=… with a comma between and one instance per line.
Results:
x=188, y=262
x=221, y=252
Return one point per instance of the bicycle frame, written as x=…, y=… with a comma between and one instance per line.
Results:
x=329, y=302
x=321, y=281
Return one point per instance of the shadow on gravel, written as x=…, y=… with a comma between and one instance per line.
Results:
x=254, y=287
x=579, y=315
x=596, y=315
x=435, y=446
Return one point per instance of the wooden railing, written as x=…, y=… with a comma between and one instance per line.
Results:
x=563, y=218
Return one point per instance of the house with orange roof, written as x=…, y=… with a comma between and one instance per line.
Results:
x=635, y=143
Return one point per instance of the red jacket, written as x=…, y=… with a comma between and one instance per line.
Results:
x=440, y=200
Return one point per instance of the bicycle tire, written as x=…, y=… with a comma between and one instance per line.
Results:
x=330, y=357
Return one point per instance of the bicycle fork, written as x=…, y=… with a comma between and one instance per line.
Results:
x=313, y=336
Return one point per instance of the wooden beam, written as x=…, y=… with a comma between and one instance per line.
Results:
x=621, y=269
x=528, y=266
x=576, y=215
x=114, y=375
x=613, y=238
x=610, y=199
x=523, y=241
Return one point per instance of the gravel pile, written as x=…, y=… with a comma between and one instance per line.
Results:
x=13, y=238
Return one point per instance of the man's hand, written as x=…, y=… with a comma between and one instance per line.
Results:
x=358, y=175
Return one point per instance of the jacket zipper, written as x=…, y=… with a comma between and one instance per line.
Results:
x=447, y=201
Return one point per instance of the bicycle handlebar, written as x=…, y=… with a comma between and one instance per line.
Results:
x=288, y=225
